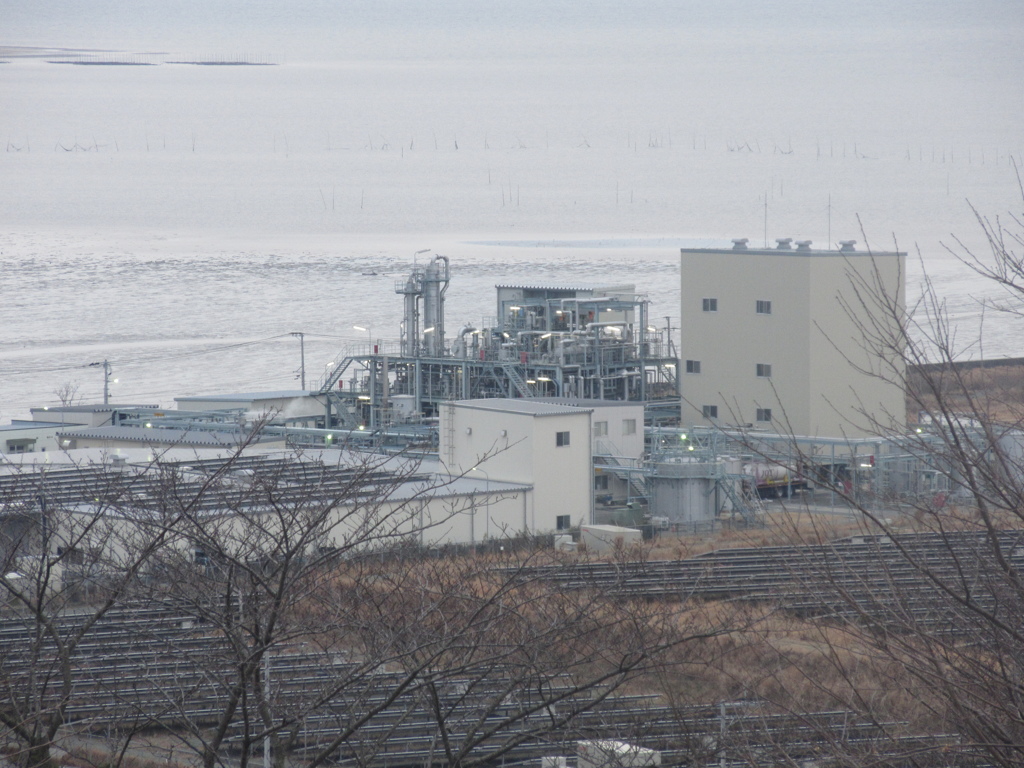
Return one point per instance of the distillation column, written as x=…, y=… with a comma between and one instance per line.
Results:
x=435, y=283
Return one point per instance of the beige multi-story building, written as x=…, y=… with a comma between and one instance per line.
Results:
x=792, y=339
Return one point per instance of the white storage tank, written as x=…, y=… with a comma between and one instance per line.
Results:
x=404, y=407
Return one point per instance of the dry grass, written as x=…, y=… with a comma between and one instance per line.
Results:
x=995, y=391
x=782, y=528
x=796, y=666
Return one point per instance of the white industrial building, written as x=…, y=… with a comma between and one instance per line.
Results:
x=508, y=468
x=29, y=436
x=44, y=432
x=547, y=445
x=775, y=339
x=368, y=500
x=617, y=430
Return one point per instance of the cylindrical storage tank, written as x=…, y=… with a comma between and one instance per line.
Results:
x=684, y=491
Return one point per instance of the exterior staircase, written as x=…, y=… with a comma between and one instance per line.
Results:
x=512, y=372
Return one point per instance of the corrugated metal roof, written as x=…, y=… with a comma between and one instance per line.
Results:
x=547, y=287
x=157, y=435
x=581, y=402
x=97, y=408
x=18, y=426
x=531, y=406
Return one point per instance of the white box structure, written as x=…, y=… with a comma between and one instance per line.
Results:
x=607, y=538
x=541, y=444
x=614, y=754
x=784, y=339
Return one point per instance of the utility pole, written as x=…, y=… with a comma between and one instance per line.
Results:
x=106, y=380
x=302, y=356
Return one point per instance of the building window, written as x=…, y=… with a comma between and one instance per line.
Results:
x=764, y=414
x=764, y=307
x=561, y=439
x=764, y=370
x=693, y=366
x=710, y=305
x=629, y=426
x=563, y=522
x=710, y=411
x=600, y=428
x=601, y=482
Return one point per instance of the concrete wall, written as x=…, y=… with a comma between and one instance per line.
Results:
x=440, y=517
x=847, y=362
x=619, y=418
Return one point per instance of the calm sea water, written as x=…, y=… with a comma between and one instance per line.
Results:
x=181, y=221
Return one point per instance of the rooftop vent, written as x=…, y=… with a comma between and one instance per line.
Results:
x=784, y=243
x=803, y=245
x=740, y=243
x=847, y=245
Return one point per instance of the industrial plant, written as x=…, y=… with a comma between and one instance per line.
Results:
x=773, y=394
x=592, y=343
x=566, y=429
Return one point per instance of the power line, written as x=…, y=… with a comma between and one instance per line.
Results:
x=146, y=358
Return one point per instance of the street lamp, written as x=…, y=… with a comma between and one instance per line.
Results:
x=369, y=336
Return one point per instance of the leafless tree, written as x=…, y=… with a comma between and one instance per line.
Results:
x=63, y=568
x=68, y=393
x=396, y=645
x=285, y=607
x=940, y=607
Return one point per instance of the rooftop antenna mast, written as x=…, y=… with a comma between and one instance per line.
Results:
x=766, y=219
x=830, y=221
